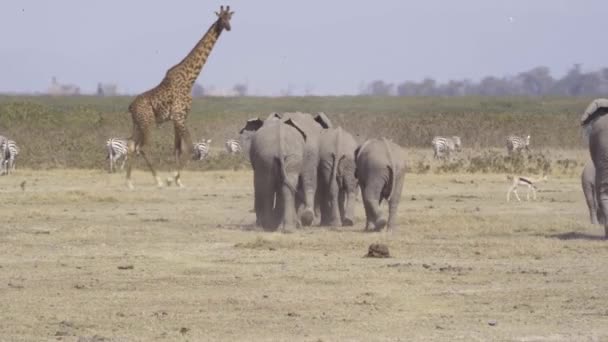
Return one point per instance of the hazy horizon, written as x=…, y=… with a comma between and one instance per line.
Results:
x=325, y=48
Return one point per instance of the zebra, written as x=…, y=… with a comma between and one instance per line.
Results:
x=3, y=147
x=445, y=145
x=200, y=150
x=117, y=148
x=516, y=143
x=233, y=146
x=11, y=151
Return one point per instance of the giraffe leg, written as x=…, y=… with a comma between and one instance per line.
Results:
x=136, y=144
x=183, y=146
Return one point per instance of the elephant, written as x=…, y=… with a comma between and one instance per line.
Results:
x=380, y=171
x=276, y=154
x=595, y=127
x=588, y=184
x=337, y=185
x=312, y=127
x=300, y=155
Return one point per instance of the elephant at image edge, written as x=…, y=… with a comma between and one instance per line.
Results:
x=337, y=185
x=594, y=122
x=276, y=155
x=588, y=184
x=312, y=127
x=380, y=172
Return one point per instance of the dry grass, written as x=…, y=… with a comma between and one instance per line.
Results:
x=82, y=258
x=70, y=132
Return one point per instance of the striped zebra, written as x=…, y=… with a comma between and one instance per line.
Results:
x=11, y=151
x=3, y=147
x=233, y=146
x=117, y=148
x=443, y=146
x=200, y=150
x=516, y=143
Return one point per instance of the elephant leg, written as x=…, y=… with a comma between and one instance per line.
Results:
x=286, y=201
x=347, y=207
x=393, y=204
x=334, y=218
x=288, y=208
x=371, y=199
x=593, y=207
x=264, y=200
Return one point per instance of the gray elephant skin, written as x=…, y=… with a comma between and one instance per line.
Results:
x=594, y=122
x=312, y=127
x=302, y=148
x=588, y=185
x=276, y=155
x=380, y=172
x=337, y=185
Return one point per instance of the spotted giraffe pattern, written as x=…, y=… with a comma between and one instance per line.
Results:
x=171, y=100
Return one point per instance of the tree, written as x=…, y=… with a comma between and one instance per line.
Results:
x=240, y=89
x=379, y=88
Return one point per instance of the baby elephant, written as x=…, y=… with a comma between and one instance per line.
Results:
x=588, y=184
x=337, y=185
x=380, y=171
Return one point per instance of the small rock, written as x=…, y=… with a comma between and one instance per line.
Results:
x=126, y=267
x=378, y=250
x=292, y=314
x=492, y=322
x=427, y=266
x=183, y=330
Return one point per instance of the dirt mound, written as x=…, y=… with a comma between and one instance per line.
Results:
x=378, y=250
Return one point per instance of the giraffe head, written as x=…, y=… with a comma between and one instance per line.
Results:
x=224, y=16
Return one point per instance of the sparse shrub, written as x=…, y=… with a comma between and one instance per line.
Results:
x=57, y=132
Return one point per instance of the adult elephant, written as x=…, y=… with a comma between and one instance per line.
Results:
x=380, y=172
x=276, y=154
x=595, y=125
x=303, y=152
x=337, y=185
x=588, y=184
x=311, y=126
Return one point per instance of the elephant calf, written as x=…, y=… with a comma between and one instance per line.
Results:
x=588, y=184
x=337, y=185
x=380, y=172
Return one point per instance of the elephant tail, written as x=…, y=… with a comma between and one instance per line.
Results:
x=280, y=161
x=336, y=160
x=391, y=168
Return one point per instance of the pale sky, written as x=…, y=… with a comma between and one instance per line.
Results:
x=325, y=46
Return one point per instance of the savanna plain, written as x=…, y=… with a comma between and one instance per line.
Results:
x=84, y=259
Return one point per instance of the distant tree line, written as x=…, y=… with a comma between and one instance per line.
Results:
x=535, y=82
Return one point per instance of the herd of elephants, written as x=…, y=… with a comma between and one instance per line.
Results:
x=304, y=167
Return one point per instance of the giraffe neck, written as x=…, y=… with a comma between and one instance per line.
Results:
x=186, y=72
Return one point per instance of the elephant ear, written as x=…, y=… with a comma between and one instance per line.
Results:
x=274, y=116
x=596, y=108
x=252, y=125
x=323, y=120
x=294, y=124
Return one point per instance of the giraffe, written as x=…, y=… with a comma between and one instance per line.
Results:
x=171, y=100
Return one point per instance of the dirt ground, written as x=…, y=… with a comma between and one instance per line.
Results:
x=84, y=259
